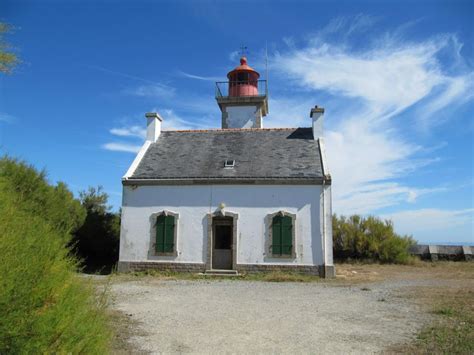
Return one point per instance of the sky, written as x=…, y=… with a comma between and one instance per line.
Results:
x=395, y=79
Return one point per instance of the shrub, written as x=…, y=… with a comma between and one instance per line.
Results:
x=56, y=204
x=370, y=239
x=97, y=240
x=44, y=306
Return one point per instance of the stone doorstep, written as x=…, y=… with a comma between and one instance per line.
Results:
x=221, y=272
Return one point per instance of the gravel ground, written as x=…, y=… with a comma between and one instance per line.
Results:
x=263, y=317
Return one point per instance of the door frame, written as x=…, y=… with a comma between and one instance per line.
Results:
x=222, y=221
x=210, y=236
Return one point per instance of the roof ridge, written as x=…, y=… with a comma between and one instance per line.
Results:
x=232, y=129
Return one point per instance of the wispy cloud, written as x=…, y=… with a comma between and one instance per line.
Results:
x=122, y=74
x=234, y=56
x=344, y=26
x=132, y=131
x=5, y=117
x=160, y=91
x=173, y=121
x=152, y=89
x=368, y=89
x=455, y=91
x=121, y=147
x=198, y=77
x=448, y=225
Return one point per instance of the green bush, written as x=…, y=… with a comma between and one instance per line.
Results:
x=369, y=239
x=97, y=241
x=44, y=306
x=56, y=204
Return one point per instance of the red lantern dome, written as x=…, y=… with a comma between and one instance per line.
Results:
x=243, y=80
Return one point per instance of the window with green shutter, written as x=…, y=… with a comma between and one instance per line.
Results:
x=282, y=236
x=165, y=234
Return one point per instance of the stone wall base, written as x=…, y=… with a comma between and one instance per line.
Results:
x=129, y=266
x=329, y=271
x=326, y=271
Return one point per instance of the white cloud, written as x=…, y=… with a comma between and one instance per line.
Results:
x=435, y=225
x=456, y=90
x=5, y=117
x=387, y=79
x=234, y=56
x=122, y=147
x=160, y=91
x=173, y=121
x=369, y=87
x=198, y=77
x=132, y=131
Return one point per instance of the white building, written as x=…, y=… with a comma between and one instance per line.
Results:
x=242, y=198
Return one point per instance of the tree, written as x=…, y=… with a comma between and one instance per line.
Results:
x=97, y=241
x=8, y=59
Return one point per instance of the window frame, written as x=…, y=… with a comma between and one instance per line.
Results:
x=269, y=223
x=153, y=232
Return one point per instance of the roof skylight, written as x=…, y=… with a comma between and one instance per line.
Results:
x=229, y=163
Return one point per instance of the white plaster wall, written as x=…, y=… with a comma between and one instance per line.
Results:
x=326, y=213
x=242, y=116
x=251, y=203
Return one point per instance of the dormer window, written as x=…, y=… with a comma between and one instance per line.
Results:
x=229, y=163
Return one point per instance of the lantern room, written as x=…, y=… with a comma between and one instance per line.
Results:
x=243, y=99
x=243, y=80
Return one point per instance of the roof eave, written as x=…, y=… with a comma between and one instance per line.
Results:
x=226, y=181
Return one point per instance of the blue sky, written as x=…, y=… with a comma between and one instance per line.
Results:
x=395, y=78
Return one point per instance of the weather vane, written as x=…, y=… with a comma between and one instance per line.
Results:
x=243, y=50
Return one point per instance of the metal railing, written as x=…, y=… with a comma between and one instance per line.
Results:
x=243, y=88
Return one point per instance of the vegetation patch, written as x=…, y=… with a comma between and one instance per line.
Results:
x=44, y=306
x=97, y=241
x=452, y=330
x=370, y=239
x=280, y=276
x=275, y=276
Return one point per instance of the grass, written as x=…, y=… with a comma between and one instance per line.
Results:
x=451, y=304
x=453, y=330
x=275, y=276
x=280, y=276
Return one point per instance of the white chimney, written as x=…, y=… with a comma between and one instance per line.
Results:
x=317, y=114
x=153, y=126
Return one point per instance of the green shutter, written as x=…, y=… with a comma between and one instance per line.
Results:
x=286, y=236
x=282, y=236
x=160, y=234
x=165, y=234
x=276, y=235
x=169, y=234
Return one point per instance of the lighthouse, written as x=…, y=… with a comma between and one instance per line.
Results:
x=243, y=99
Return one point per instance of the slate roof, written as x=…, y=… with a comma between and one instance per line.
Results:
x=271, y=155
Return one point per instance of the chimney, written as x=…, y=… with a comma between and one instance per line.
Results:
x=317, y=114
x=153, y=126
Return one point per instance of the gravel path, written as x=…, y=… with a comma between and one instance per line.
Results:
x=264, y=317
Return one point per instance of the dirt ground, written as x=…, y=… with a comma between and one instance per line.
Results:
x=367, y=309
